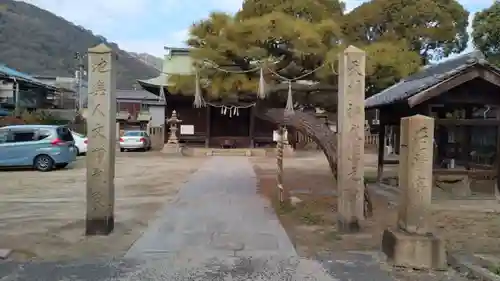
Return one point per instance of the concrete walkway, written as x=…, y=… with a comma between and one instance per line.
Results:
x=218, y=212
x=220, y=225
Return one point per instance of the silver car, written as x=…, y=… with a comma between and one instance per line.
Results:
x=135, y=140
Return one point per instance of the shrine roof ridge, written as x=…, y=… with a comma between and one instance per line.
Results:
x=426, y=78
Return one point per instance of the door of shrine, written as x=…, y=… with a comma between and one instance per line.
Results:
x=230, y=126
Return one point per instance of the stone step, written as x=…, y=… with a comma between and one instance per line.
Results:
x=196, y=151
x=231, y=152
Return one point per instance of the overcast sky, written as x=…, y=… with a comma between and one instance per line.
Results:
x=148, y=25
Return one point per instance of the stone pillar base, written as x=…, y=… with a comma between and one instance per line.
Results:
x=457, y=185
x=99, y=226
x=348, y=226
x=414, y=251
x=172, y=148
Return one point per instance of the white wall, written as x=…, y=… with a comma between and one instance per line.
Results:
x=7, y=90
x=178, y=64
x=157, y=115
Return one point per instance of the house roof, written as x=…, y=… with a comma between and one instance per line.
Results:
x=14, y=74
x=139, y=96
x=174, y=50
x=135, y=95
x=426, y=78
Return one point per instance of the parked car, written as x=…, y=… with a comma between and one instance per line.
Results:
x=43, y=147
x=80, y=143
x=135, y=140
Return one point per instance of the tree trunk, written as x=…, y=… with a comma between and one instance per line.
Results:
x=311, y=126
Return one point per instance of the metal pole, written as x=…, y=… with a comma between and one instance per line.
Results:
x=79, y=78
x=17, y=101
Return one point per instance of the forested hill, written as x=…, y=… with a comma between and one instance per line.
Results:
x=149, y=59
x=35, y=41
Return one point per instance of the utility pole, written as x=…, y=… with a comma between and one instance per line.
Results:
x=17, y=100
x=79, y=79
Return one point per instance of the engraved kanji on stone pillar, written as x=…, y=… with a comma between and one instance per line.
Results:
x=350, y=153
x=415, y=173
x=412, y=243
x=101, y=129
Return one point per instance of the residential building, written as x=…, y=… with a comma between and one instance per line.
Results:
x=69, y=97
x=137, y=108
x=31, y=93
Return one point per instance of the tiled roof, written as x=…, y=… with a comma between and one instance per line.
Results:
x=135, y=94
x=139, y=95
x=424, y=79
x=9, y=72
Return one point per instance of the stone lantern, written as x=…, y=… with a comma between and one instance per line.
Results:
x=172, y=145
x=173, y=121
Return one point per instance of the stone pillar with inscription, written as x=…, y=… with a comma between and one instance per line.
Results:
x=350, y=150
x=101, y=130
x=412, y=243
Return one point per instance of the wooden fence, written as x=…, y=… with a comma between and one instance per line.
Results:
x=371, y=140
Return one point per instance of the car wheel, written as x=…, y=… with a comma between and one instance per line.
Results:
x=43, y=163
x=62, y=165
x=122, y=149
x=77, y=151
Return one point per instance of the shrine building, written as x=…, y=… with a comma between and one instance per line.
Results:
x=219, y=122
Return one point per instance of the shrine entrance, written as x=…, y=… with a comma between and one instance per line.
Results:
x=230, y=127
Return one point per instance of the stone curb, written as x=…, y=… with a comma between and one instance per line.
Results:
x=464, y=264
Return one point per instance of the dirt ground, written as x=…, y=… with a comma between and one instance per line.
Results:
x=42, y=215
x=311, y=224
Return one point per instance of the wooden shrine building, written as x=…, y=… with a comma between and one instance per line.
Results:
x=463, y=95
x=219, y=123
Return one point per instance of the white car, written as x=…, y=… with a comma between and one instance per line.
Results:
x=135, y=140
x=80, y=143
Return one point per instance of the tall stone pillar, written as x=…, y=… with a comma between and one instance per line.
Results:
x=412, y=243
x=101, y=130
x=351, y=136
